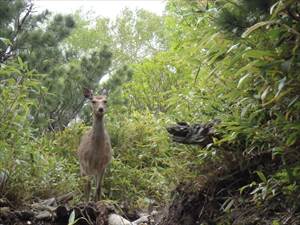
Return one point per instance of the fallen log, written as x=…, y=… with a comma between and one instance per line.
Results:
x=195, y=134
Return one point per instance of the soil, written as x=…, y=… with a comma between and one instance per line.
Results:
x=201, y=202
x=194, y=207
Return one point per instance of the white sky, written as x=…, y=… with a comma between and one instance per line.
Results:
x=106, y=8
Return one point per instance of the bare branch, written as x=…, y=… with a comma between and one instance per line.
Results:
x=8, y=52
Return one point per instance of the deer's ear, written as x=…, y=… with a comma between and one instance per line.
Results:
x=87, y=93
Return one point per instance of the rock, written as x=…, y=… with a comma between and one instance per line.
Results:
x=65, y=198
x=114, y=219
x=4, y=210
x=44, y=215
x=49, y=202
x=141, y=220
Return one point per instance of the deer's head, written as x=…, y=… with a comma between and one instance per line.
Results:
x=98, y=103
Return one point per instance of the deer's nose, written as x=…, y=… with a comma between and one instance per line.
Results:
x=101, y=110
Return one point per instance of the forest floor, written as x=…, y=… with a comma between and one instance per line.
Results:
x=192, y=204
x=214, y=199
x=57, y=211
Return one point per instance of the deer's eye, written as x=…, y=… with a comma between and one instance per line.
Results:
x=93, y=101
x=105, y=101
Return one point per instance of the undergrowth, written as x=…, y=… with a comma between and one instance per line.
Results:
x=141, y=173
x=249, y=83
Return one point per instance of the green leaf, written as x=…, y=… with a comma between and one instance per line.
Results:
x=275, y=222
x=71, y=218
x=242, y=80
x=248, y=67
x=265, y=93
x=5, y=41
x=243, y=188
x=258, y=25
x=293, y=101
x=280, y=86
x=280, y=6
x=229, y=205
x=292, y=138
x=261, y=176
x=264, y=192
x=277, y=151
x=20, y=61
x=273, y=7
x=233, y=47
x=258, y=54
x=245, y=110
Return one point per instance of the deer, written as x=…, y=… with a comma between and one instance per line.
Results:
x=94, y=151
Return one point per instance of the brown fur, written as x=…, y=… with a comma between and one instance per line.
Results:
x=95, y=151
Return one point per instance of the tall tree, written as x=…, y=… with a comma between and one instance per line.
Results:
x=38, y=39
x=14, y=16
x=132, y=37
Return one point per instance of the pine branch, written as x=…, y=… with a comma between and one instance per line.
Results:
x=8, y=52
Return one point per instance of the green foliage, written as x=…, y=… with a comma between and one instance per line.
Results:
x=131, y=37
x=17, y=83
x=8, y=10
x=237, y=15
x=38, y=40
x=66, y=75
x=144, y=161
x=140, y=154
x=43, y=167
x=250, y=84
x=234, y=61
x=114, y=86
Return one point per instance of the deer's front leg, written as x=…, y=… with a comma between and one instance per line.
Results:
x=99, y=179
x=87, y=188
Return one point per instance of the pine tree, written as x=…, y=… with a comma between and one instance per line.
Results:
x=235, y=16
x=38, y=41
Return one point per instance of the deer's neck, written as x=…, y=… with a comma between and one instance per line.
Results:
x=98, y=128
